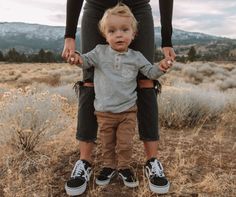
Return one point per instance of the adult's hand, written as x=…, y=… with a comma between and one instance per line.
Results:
x=69, y=49
x=169, y=53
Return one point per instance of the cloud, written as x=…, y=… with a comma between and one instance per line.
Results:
x=214, y=17
x=34, y=11
x=57, y=18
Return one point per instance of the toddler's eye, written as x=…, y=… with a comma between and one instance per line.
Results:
x=111, y=31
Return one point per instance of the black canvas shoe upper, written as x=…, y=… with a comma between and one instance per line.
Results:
x=105, y=174
x=80, y=174
x=156, y=172
x=128, y=175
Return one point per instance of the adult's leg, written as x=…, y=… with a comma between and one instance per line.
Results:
x=147, y=105
x=87, y=124
x=147, y=101
x=86, y=149
x=148, y=121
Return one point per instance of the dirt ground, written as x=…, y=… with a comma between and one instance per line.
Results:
x=198, y=162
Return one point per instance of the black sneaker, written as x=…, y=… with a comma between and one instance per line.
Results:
x=105, y=176
x=79, y=178
x=156, y=178
x=128, y=178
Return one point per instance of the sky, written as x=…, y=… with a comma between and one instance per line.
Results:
x=214, y=17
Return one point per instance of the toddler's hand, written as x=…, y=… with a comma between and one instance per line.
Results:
x=165, y=64
x=75, y=59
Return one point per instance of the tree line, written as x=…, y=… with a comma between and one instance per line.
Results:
x=192, y=55
x=48, y=57
x=42, y=56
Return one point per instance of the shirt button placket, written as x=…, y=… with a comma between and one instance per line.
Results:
x=117, y=62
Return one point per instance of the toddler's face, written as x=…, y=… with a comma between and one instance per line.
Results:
x=119, y=32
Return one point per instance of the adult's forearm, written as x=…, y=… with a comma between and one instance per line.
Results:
x=166, y=11
x=73, y=9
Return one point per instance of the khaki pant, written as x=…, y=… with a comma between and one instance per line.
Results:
x=116, y=133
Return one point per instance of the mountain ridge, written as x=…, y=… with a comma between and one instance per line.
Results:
x=30, y=38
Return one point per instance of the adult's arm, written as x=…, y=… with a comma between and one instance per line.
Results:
x=166, y=11
x=73, y=9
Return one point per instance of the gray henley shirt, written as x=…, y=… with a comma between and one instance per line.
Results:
x=115, y=76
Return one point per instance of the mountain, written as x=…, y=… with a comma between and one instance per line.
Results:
x=30, y=38
x=208, y=46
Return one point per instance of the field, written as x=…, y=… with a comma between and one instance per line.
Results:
x=197, y=115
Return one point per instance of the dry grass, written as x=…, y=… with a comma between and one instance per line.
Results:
x=205, y=74
x=199, y=159
x=21, y=75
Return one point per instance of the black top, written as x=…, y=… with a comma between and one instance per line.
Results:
x=166, y=9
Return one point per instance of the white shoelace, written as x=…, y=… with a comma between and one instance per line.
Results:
x=78, y=169
x=157, y=168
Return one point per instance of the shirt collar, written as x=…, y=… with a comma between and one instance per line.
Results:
x=118, y=53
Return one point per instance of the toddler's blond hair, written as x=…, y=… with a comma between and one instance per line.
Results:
x=119, y=10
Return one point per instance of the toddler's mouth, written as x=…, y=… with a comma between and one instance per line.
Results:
x=119, y=42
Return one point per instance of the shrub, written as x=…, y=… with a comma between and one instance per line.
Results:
x=26, y=119
x=189, y=106
x=65, y=91
x=189, y=71
x=206, y=69
x=228, y=83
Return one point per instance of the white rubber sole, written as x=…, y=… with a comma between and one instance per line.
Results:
x=128, y=184
x=102, y=183
x=158, y=189
x=76, y=191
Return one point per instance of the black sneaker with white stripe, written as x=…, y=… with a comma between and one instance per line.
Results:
x=79, y=178
x=156, y=177
x=105, y=176
x=128, y=177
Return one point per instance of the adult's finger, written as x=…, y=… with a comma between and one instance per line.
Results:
x=65, y=54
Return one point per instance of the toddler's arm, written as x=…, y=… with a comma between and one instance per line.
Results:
x=152, y=71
